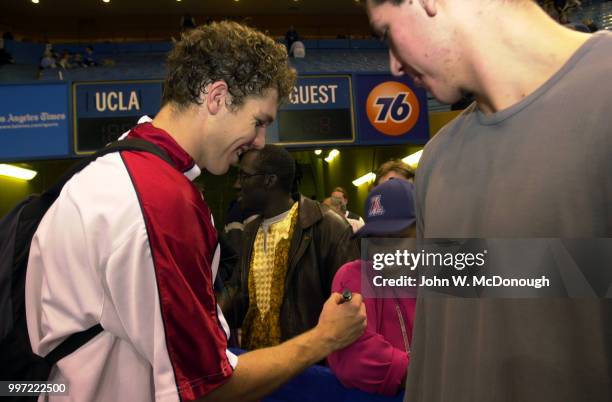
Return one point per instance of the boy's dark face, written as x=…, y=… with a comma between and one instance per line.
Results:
x=251, y=184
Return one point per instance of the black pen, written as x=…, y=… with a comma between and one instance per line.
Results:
x=347, y=295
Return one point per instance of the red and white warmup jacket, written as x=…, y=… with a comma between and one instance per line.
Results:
x=130, y=244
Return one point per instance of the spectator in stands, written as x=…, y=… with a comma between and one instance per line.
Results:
x=89, y=60
x=5, y=56
x=291, y=36
x=355, y=220
x=378, y=361
x=49, y=48
x=393, y=169
x=78, y=60
x=48, y=60
x=291, y=253
x=298, y=50
x=187, y=22
x=65, y=61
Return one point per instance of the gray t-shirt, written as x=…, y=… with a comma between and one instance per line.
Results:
x=541, y=168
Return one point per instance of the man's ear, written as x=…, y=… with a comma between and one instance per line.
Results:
x=216, y=97
x=430, y=7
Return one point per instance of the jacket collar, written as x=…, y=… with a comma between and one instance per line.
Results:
x=182, y=160
x=309, y=213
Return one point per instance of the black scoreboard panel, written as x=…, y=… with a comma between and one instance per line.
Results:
x=320, y=111
x=95, y=132
x=104, y=110
x=315, y=125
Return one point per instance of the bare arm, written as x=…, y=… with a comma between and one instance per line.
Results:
x=262, y=371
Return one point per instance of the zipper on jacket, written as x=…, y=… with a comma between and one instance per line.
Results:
x=403, y=326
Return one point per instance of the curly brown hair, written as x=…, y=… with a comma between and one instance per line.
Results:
x=246, y=59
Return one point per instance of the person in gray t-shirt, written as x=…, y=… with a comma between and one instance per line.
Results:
x=532, y=157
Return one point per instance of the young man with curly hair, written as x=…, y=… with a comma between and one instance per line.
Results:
x=137, y=251
x=531, y=157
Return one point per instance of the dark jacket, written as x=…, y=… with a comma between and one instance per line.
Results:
x=320, y=245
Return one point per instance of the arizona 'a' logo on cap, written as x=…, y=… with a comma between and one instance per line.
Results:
x=376, y=208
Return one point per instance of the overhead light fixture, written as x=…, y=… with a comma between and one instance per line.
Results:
x=366, y=178
x=106, y=1
x=17, y=172
x=413, y=160
x=35, y=1
x=332, y=155
x=318, y=152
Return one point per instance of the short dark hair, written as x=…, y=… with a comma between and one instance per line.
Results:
x=274, y=159
x=246, y=59
x=394, y=165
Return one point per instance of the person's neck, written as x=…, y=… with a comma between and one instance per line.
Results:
x=182, y=126
x=514, y=51
x=278, y=206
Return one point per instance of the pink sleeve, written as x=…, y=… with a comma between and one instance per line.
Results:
x=371, y=363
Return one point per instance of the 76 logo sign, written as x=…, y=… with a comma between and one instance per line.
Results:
x=397, y=109
x=392, y=108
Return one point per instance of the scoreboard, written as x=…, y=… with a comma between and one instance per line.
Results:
x=105, y=110
x=41, y=121
x=319, y=111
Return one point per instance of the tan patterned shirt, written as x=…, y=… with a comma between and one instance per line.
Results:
x=269, y=235
x=269, y=263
